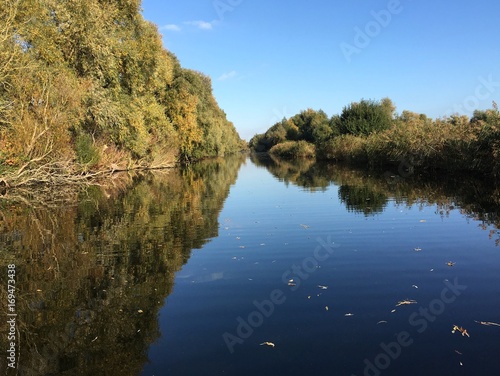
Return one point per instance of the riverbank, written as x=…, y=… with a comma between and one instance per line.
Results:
x=361, y=136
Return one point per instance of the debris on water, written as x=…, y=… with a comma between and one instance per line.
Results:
x=487, y=323
x=450, y=263
x=349, y=314
x=458, y=352
x=323, y=287
x=461, y=330
x=432, y=270
x=291, y=282
x=461, y=363
x=270, y=344
x=415, y=286
x=261, y=244
x=418, y=249
x=326, y=308
x=406, y=302
x=242, y=246
x=423, y=221
x=382, y=322
x=140, y=311
x=305, y=226
x=94, y=339
x=309, y=297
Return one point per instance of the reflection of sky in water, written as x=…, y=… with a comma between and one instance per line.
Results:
x=267, y=232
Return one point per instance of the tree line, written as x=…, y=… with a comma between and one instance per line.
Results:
x=371, y=132
x=87, y=86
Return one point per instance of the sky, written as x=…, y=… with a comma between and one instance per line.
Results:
x=272, y=59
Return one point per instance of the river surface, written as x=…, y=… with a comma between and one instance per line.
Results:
x=255, y=266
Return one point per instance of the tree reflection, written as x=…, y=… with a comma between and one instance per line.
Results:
x=369, y=191
x=95, y=265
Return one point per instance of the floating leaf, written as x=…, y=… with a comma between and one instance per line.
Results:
x=487, y=323
x=406, y=302
x=267, y=344
x=461, y=330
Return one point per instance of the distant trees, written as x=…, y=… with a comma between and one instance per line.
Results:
x=370, y=133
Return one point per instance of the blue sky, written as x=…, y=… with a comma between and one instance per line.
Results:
x=270, y=60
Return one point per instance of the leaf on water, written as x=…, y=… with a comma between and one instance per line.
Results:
x=487, y=323
x=461, y=330
x=140, y=311
x=406, y=302
x=270, y=344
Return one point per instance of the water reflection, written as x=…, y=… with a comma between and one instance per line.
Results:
x=368, y=192
x=94, y=266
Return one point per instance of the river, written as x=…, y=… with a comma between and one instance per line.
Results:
x=252, y=265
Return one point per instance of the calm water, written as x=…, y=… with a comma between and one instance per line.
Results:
x=201, y=271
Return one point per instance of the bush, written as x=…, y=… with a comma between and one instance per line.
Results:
x=366, y=117
x=86, y=152
x=294, y=149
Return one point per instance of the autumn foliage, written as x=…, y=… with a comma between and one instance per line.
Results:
x=88, y=86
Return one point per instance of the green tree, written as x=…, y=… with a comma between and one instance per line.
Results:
x=366, y=116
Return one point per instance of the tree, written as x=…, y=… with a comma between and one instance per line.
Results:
x=366, y=116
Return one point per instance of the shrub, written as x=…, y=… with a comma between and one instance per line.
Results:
x=294, y=149
x=366, y=117
x=86, y=152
